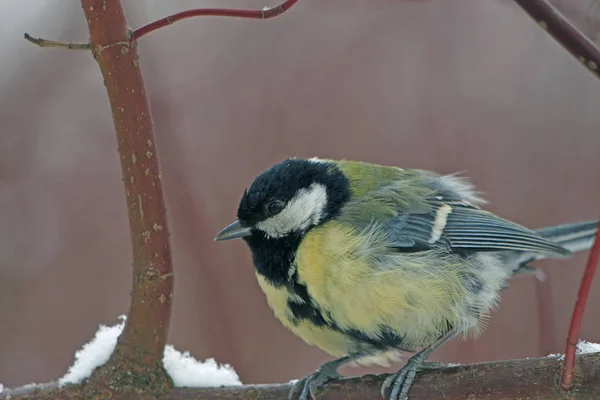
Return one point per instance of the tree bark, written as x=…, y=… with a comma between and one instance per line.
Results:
x=533, y=379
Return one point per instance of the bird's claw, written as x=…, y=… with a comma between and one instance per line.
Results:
x=402, y=380
x=311, y=383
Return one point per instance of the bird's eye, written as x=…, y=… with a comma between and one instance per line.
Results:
x=274, y=207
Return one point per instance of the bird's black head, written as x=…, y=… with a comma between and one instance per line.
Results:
x=293, y=196
x=282, y=204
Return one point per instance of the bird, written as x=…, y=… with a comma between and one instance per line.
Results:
x=369, y=262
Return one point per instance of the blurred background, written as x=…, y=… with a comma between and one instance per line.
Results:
x=459, y=85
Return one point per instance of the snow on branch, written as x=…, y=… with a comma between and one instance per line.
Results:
x=184, y=370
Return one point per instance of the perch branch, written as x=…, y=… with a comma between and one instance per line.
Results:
x=534, y=378
x=553, y=22
x=265, y=13
x=577, y=316
x=142, y=342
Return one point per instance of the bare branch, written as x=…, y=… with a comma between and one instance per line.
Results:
x=553, y=22
x=53, y=43
x=135, y=370
x=265, y=13
x=534, y=378
x=568, y=373
x=141, y=345
x=582, y=48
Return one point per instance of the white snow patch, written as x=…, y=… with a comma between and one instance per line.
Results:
x=186, y=371
x=183, y=368
x=93, y=354
x=583, y=347
x=31, y=386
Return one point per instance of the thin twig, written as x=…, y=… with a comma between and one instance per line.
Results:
x=553, y=22
x=265, y=13
x=577, y=316
x=53, y=43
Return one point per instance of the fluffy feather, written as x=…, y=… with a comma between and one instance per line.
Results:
x=367, y=261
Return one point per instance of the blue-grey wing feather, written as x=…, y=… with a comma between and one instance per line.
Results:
x=465, y=229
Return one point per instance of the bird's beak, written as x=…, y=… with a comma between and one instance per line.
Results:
x=233, y=231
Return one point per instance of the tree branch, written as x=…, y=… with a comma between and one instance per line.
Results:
x=568, y=373
x=135, y=367
x=553, y=22
x=535, y=378
x=145, y=333
x=53, y=43
x=265, y=13
x=582, y=48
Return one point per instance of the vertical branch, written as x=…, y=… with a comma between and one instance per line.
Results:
x=582, y=48
x=568, y=372
x=144, y=336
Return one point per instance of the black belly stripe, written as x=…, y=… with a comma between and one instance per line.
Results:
x=305, y=310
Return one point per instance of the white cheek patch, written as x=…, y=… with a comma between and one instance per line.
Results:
x=305, y=209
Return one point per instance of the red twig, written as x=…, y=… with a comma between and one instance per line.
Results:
x=265, y=13
x=584, y=291
x=553, y=22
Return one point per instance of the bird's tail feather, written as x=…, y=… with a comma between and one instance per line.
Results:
x=575, y=237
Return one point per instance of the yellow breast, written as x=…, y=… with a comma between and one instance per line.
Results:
x=364, y=286
x=361, y=286
x=331, y=341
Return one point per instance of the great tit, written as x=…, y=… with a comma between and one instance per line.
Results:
x=367, y=261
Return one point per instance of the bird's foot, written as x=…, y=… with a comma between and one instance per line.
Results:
x=402, y=380
x=311, y=383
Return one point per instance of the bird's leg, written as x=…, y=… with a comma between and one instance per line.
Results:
x=325, y=373
x=403, y=379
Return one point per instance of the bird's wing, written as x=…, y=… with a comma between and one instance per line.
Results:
x=461, y=227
